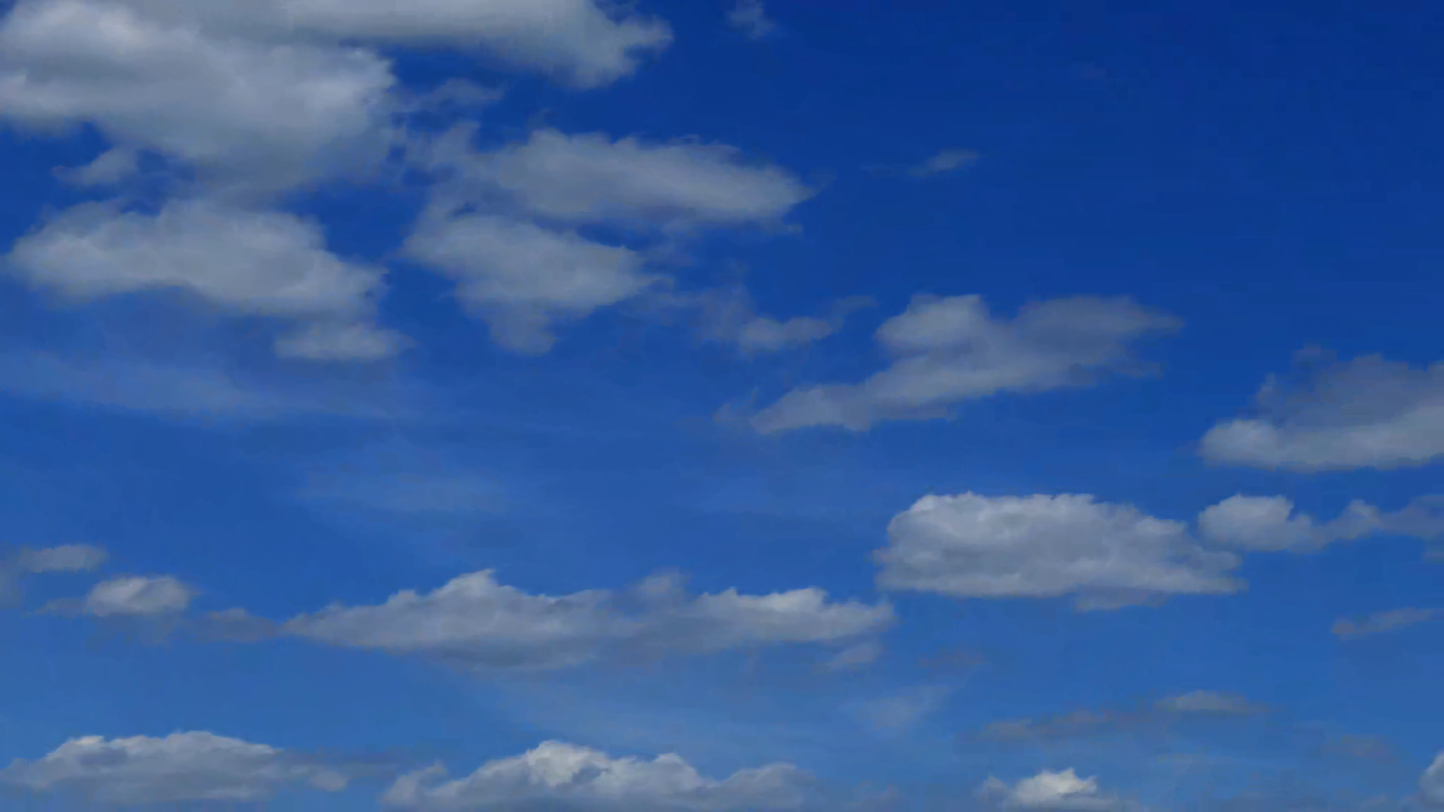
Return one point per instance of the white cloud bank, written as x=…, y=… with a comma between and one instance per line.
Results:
x=476, y=622
x=182, y=767
x=564, y=777
x=1366, y=413
x=947, y=351
x=1431, y=783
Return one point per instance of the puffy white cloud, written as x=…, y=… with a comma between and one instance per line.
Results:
x=62, y=558
x=138, y=596
x=1431, y=783
x=749, y=17
x=589, y=178
x=1367, y=413
x=947, y=351
x=182, y=767
x=476, y=622
x=1051, y=791
x=523, y=278
x=1382, y=622
x=562, y=776
x=262, y=113
x=1269, y=523
x=249, y=262
x=1047, y=546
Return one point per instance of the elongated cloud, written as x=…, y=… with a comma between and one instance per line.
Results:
x=180, y=768
x=948, y=351
x=477, y=623
x=565, y=777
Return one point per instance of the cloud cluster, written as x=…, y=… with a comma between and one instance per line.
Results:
x=949, y=350
x=504, y=224
x=1365, y=413
x=182, y=767
x=561, y=776
x=477, y=623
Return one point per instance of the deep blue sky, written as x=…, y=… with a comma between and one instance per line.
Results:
x=1265, y=174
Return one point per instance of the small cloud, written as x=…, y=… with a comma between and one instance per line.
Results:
x=64, y=558
x=132, y=597
x=854, y=657
x=751, y=19
x=1207, y=703
x=902, y=711
x=1382, y=622
x=949, y=160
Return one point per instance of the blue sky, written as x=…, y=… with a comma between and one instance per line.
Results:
x=872, y=407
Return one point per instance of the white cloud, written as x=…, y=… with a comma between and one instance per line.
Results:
x=476, y=622
x=244, y=261
x=1051, y=791
x=590, y=178
x=947, y=351
x=62, y=558
x=1382, y=622
x=1367, y=413
x=523, y=278
x=562, y=776
x=182, y=767
x=1431, y=783
x=749, y=17
x=1047, y=546
x=262, y=113
x=138, y=596
x=109, y=168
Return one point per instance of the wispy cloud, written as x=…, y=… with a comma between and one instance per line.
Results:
x=749, y=17
x=1383, y=622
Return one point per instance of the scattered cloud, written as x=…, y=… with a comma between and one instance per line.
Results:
x=176, y=391
x=475, y=622
x=1366, y=413
x=1207, y=703
x=523, y=279
x=563, y=777
x=1051, y=791
x=182, y=767
x=248, y=262
x=1193, y=705
x=947, y=351
x=138, y=596
x=749, y=17
x=1383, y=622
x=902, y=711
x=1431, y=783
x=729, y=316
x=973, y=546
x=949, y=160
x=62, y=558
x=1270, y=524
